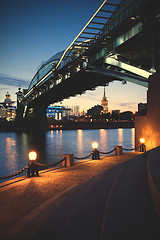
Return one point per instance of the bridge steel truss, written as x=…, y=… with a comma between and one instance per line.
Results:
x=93, y=54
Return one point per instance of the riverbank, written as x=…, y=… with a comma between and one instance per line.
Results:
x=23, y=198
x=96, y=199
x=6, y=126
x=91, y=125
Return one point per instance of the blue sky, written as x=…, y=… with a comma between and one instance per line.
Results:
x=32, y=31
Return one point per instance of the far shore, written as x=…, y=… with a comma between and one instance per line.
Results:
x=6, y=126
x=91, y=125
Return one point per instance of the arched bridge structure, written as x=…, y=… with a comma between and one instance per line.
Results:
x=119, y=42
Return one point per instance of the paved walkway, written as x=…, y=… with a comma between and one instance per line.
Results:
x=113, y=203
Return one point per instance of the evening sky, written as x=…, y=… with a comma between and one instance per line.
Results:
x=34, y=30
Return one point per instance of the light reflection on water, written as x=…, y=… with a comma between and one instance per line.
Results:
x=10, y=149
x=50, y=146
x=120, y=136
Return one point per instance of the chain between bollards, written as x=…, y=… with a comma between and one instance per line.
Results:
x=32, y=167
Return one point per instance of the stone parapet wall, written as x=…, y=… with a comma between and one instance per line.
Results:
x=148, y=127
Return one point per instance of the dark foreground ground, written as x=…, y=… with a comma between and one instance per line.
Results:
x=95, y=199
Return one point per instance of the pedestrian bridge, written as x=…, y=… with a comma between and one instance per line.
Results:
x=119, y=42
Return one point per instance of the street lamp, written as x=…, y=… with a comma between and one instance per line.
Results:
x=32, y=156
x=142, y=140
x=95, y=145
x=142, y=146
x=95, y=153
x=32, y=166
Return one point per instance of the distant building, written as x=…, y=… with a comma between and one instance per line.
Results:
x=19, y=96
x=7, y=110
x=95, y=110
x=142, y=108
x=3, y=113
x=115, y=111
x=58, y=112
x=104, y=103
x=76, y=110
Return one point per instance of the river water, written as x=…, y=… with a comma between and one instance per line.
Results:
x=50, y=146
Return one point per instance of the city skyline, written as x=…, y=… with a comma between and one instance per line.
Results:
x=34, y=31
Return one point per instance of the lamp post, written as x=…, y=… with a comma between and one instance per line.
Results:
x=95, y=153
x=142, y=146
x=32, y=166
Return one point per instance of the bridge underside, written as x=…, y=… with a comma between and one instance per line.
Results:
x=84, y=80
x=88, y=79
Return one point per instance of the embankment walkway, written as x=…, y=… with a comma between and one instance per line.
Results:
x=94, y=199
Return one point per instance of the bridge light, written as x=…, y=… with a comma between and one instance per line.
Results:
x=142, y=140
x=133, y=18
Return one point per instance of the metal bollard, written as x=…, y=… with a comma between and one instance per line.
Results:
x=142, y=147
x=95, y=154
x=118, y=150
x=69, y=160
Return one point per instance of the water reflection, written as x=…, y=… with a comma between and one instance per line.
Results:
x=11, y=155
x=133, y=136
x=51, y=146
x=120, y=136
x=37, y=142
x=103, y=139
x=80, y=141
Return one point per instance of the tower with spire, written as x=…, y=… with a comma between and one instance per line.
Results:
x=19, y=96
x=104, y=103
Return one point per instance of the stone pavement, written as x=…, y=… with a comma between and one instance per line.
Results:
x=103, y=199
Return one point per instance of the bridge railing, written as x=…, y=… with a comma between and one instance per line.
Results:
x=109, y=16
x=121, y=12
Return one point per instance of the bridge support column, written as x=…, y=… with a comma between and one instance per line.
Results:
x=156, y=45
x=35, y=119
x=148, y=127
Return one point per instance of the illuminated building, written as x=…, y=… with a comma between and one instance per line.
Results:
x=57, y=112
x=7, y=111
x=76, y=110
x=104, y=103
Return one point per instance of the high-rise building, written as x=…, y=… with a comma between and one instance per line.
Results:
x=76, y=110
x=104, y=103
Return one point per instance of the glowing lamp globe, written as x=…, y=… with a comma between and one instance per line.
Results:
x=32, y=156
x=142, y=140
x=95, y=145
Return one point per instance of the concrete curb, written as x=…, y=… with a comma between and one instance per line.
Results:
x=152, y=184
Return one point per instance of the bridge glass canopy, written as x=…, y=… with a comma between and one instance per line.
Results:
x=45, y=68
